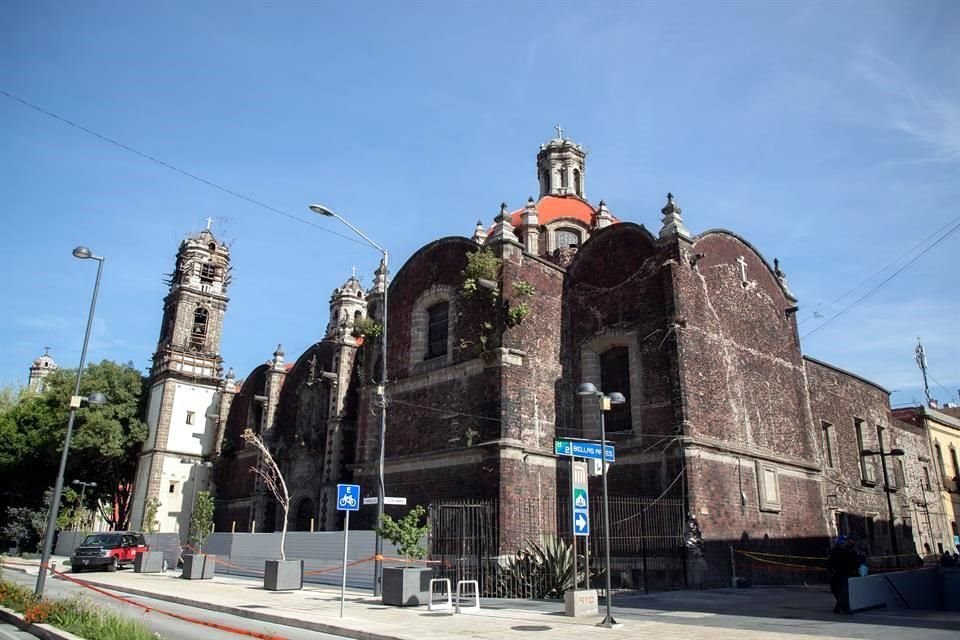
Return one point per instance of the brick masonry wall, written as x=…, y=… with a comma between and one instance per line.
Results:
x=839, y=399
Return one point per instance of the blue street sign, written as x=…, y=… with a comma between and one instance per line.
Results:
x=581, y=522
x=348, y=497
x=579, y=449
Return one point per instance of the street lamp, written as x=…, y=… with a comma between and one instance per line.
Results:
x=83, y=488
x=886, y=486
x=205, y=464
x=93, y=399
x=614, y=397
x=381, y=392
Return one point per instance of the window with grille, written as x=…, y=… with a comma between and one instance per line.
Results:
x=567, y=238
x=208, y=273
x=867, y=472
x=615, y=376
x=437, y=329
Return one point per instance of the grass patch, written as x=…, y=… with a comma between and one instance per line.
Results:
x=77, y=615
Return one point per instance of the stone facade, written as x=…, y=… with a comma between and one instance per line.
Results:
x=723, y=413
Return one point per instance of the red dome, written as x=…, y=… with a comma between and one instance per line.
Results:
x=549, y=208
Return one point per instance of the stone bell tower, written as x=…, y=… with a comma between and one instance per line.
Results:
x=185, y=385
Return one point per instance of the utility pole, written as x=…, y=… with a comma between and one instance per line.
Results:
x=921, y=358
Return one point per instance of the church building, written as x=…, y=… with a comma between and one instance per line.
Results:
x=489, y=337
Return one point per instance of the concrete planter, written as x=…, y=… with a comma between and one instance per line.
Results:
x=148, y=562
x=198, y=566
x=406, y=586
x=581, y=604
x=283, y=575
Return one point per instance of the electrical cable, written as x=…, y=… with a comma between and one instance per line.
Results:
x=172, y=167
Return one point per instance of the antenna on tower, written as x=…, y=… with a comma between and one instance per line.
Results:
x=921, y=358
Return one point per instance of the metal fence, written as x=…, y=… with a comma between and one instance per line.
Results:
x=514, y=553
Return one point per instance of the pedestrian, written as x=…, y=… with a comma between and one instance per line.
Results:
x=842, y=563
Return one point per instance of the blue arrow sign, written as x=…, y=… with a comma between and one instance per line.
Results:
x=581, y=522
x=348, y=497
x=579, y=449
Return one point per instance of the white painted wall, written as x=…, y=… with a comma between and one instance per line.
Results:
x=153, y=415
x=174, y=512
x=201, y=401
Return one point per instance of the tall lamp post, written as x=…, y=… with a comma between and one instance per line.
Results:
x=94, y=399
x=83, y=488
x=381, y=392
x=614, y=397
x=886, y=487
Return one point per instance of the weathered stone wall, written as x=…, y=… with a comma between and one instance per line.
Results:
x=840, y=399
x=617, y=293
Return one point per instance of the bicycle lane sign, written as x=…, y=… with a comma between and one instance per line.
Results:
x=348, y=497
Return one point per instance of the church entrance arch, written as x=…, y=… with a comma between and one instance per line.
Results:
x=304, y=515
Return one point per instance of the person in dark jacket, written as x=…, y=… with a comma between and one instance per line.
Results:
x=842, y=563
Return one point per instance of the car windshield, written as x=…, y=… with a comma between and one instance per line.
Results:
x=101, y=539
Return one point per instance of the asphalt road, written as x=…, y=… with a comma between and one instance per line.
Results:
x=168, y=628
x=10, y=632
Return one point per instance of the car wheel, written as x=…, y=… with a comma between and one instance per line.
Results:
x=113, y=564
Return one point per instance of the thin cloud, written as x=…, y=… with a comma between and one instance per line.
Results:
x=903, y=104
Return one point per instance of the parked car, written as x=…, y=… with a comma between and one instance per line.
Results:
x=109, y=550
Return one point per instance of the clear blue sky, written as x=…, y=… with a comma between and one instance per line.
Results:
x=827, y=134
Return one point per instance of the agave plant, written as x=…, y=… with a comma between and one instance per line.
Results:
x=539, y=570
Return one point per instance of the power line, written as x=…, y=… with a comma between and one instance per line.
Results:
x=172, y=167
x=884, y=282
x=877, y=273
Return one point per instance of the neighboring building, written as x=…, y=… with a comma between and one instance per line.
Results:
x=40, y=369
x=185, y=385
x=941, y=468
x=727, y=431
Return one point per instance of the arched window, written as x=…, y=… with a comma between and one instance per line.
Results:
x=563, y=178
x=615, y=376
x=577, y=183
x=437, y=329
x=567, y=238
x=302, y=520
x=956, y=467
x=198, y=335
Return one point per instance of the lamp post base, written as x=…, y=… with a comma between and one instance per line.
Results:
x=610, y=623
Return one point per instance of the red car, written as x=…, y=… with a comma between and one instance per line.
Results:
x=109, y=550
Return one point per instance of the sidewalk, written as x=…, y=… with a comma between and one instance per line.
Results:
x=777, y=614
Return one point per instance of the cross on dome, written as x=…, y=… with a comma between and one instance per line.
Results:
x=209, y=222
x=559, y=131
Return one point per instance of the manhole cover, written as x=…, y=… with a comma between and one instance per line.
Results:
x=532, y=627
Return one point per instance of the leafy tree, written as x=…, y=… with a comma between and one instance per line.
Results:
x=201, y=520
x=18, y=527
x=105, y=446
x=406, y=533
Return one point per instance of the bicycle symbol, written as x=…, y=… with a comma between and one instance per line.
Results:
x=348, y=500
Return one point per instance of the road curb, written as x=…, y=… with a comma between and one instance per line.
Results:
x=42, y=631
x=260, y=616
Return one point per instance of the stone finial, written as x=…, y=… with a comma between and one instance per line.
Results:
x=602, y=218
x=379, y=280
x=781, y=276
x=479, y=233
x=277, y=362
x=230, y=374
x=530, y=223
x=503, y=228
x=672, y=222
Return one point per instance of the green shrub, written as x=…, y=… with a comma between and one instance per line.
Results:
x=406, y=533
x=75, y=615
